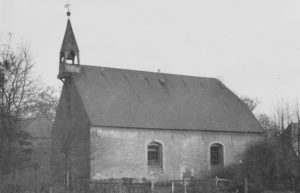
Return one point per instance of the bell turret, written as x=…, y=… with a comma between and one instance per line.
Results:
x=69, y=53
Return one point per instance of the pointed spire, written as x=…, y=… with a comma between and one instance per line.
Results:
x=69, y=42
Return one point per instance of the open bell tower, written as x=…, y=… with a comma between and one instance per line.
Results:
x=69, y=61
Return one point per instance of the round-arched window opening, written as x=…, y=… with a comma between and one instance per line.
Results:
x=216, y=155
x=154, y=150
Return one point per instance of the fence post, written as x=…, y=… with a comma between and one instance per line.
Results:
x=120, y=185
x=184, y=184
x=152, y=187
x=172, y=186
x=217, y=183
x=246, y=184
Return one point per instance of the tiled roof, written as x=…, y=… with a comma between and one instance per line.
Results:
x=127, y=98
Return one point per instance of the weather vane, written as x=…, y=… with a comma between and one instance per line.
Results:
x=68, y=6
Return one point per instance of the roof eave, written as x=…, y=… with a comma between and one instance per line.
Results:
x=176, y=129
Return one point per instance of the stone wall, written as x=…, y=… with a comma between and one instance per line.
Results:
x=122, y=152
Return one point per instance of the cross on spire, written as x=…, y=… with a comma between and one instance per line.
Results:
x=68, y=7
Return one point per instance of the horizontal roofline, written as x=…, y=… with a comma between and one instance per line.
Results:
x=176, y=129
x=153, y=72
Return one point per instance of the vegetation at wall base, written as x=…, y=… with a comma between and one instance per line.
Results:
x=269, y=165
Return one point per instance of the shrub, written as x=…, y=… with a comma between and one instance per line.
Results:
x=268, y=165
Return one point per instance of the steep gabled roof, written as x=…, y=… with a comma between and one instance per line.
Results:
x=69, y=42
x=137, y=99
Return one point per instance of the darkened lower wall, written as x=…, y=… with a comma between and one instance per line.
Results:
x=70, y=134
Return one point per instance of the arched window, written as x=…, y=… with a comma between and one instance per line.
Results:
x=154, y=154
x=216, y=155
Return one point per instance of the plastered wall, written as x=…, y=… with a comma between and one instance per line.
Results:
x=122, y=152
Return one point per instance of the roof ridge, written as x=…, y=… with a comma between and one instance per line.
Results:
x=152, y=72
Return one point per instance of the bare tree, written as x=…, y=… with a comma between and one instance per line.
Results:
x=297, y=110
x=16, y=88
x=45, y=102
x=17, y=84
x=295, y=128
x=284, y=114
x=251, y=103
x=20, y=98
x=267, y=124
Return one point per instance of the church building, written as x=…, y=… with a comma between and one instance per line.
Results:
x=119, y=123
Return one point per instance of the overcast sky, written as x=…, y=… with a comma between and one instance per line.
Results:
x=253, y=46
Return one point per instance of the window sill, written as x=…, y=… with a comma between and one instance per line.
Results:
x=155, y=169
x=216, y=167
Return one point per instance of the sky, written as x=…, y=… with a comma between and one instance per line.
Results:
x=252, y=46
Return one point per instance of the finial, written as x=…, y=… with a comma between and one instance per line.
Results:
x=68, y=6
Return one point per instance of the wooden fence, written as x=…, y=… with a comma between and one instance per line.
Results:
x=129, y=186
x=174, y=186
x=119, y=187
